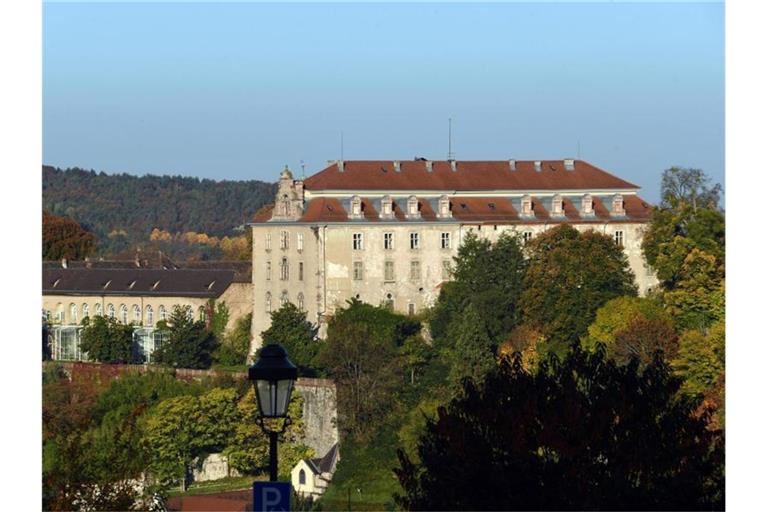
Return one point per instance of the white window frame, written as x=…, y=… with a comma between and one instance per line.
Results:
x=415, y=240
x=300, y=301
x=136, y=314
x=527, y=236
x=73, y=313
x=445, y=240
x=124, y=314
x=86, y=311
x=285, y=238
x=389, y=270
x=446, y=269
x=618, y=237
x=268, y=242
x=162, y=315
x=299, y=242
x=97, y=309
x=285, y=271
x=357, y=242
x=389, y=241
x=415, y=274
x=149, y=316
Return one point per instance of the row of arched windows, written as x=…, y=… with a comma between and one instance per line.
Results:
x=76, y=314
x=284, y=299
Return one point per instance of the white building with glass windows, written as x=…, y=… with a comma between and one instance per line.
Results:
x=140, y=297
x=386, y=232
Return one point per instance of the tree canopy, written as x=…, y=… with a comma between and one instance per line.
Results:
x=65, y=238
x=291, y=329
x=578, y=434
x=106, y=340
x=569, y=277
x=189, y=345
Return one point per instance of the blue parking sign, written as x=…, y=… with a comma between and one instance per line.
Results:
x=271, y=496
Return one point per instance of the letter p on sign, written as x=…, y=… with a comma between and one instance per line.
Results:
x=271, y=497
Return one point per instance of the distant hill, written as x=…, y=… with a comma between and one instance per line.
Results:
x=122, y=209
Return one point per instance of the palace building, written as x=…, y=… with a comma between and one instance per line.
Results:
x=385, y=232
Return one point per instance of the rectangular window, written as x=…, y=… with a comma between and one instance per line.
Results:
x=446, y=269
x=357, y=241
x=284, y=237
x=527, y=235
x=301, y=271
x=389, y=270
x=300, y=242
x=268, y=242
x=445, y=240
x=358, y=271
x=415, y=270
x=269, y=271
x=414, y=241
x=618, y=237
x=389, y=241
x=411, y=308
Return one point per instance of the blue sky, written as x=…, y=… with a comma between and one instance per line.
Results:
x=236, y=91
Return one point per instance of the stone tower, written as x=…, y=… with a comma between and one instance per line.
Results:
x=289, y=200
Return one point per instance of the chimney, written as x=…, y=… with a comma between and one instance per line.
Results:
x=513, y=165
x=397, y=165
x=570, y=164
x=429, y=165
x=537, y=165
x=340, y=165
x=63, y=262
x=453, y=165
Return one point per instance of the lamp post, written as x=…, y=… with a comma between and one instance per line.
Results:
x=273, y=376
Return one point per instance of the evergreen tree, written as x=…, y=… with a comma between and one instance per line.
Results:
x=473, y=354
x=189, y=343
x=106, y=340
x=291, y=329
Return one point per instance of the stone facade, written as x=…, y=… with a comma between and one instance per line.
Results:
x=389, y=242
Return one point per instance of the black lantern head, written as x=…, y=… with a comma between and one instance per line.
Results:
x=273, y=376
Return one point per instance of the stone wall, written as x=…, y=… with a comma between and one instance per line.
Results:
x=319, y=414
x=213, y=467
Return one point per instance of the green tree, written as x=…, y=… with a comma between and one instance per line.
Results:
x=569, y=277
x=616, y=314
x=364, y=364
x=701, y=358
x=687, y=219
x=574, y=435
x=698, y=298
x=189, y=343
x=642, y=338
x=415, y=355
x=474, y=353
x=106, y=340
x=291, y=329
x=218, y=313
x=236, y=344
x=490, y=278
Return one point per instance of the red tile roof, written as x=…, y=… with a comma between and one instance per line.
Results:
x=480, y=209
x=469, y=175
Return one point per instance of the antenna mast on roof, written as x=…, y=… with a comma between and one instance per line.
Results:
x=342, y=145
x=578, y=149
x=302, y=169
x=450, y=153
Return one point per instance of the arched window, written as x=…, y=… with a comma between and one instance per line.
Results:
x=110, y=311
x=72, y=314
x=557, y=206
x=356, y=208
x=284, y=298
x=60, y=313
x=284, y=271
x=124, y=313
x=302, y=477
x=268, y=302
x=136, y=314
x=97, y=309
x=444, y=207
x=161, y=312
x=85, y=311
x=413, y=207
x=201, y=313
x=527, y=206
x=300, y=301
x=617, y=205
x=387, y=212
x=149, y=316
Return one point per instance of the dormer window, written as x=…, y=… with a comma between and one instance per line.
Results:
x=527, y=207
x=557, y=206
x=444, y=207
x=413, y=208
x=617, y=205
x=587, y=205
x=386, y=212
x=356, y=208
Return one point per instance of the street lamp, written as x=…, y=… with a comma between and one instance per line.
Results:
x=273, y=376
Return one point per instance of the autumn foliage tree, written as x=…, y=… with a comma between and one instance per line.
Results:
x=65, y=238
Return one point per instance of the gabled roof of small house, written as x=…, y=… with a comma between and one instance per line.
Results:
x=326, y=463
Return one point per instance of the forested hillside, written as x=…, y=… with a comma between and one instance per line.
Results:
x=122, y=210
